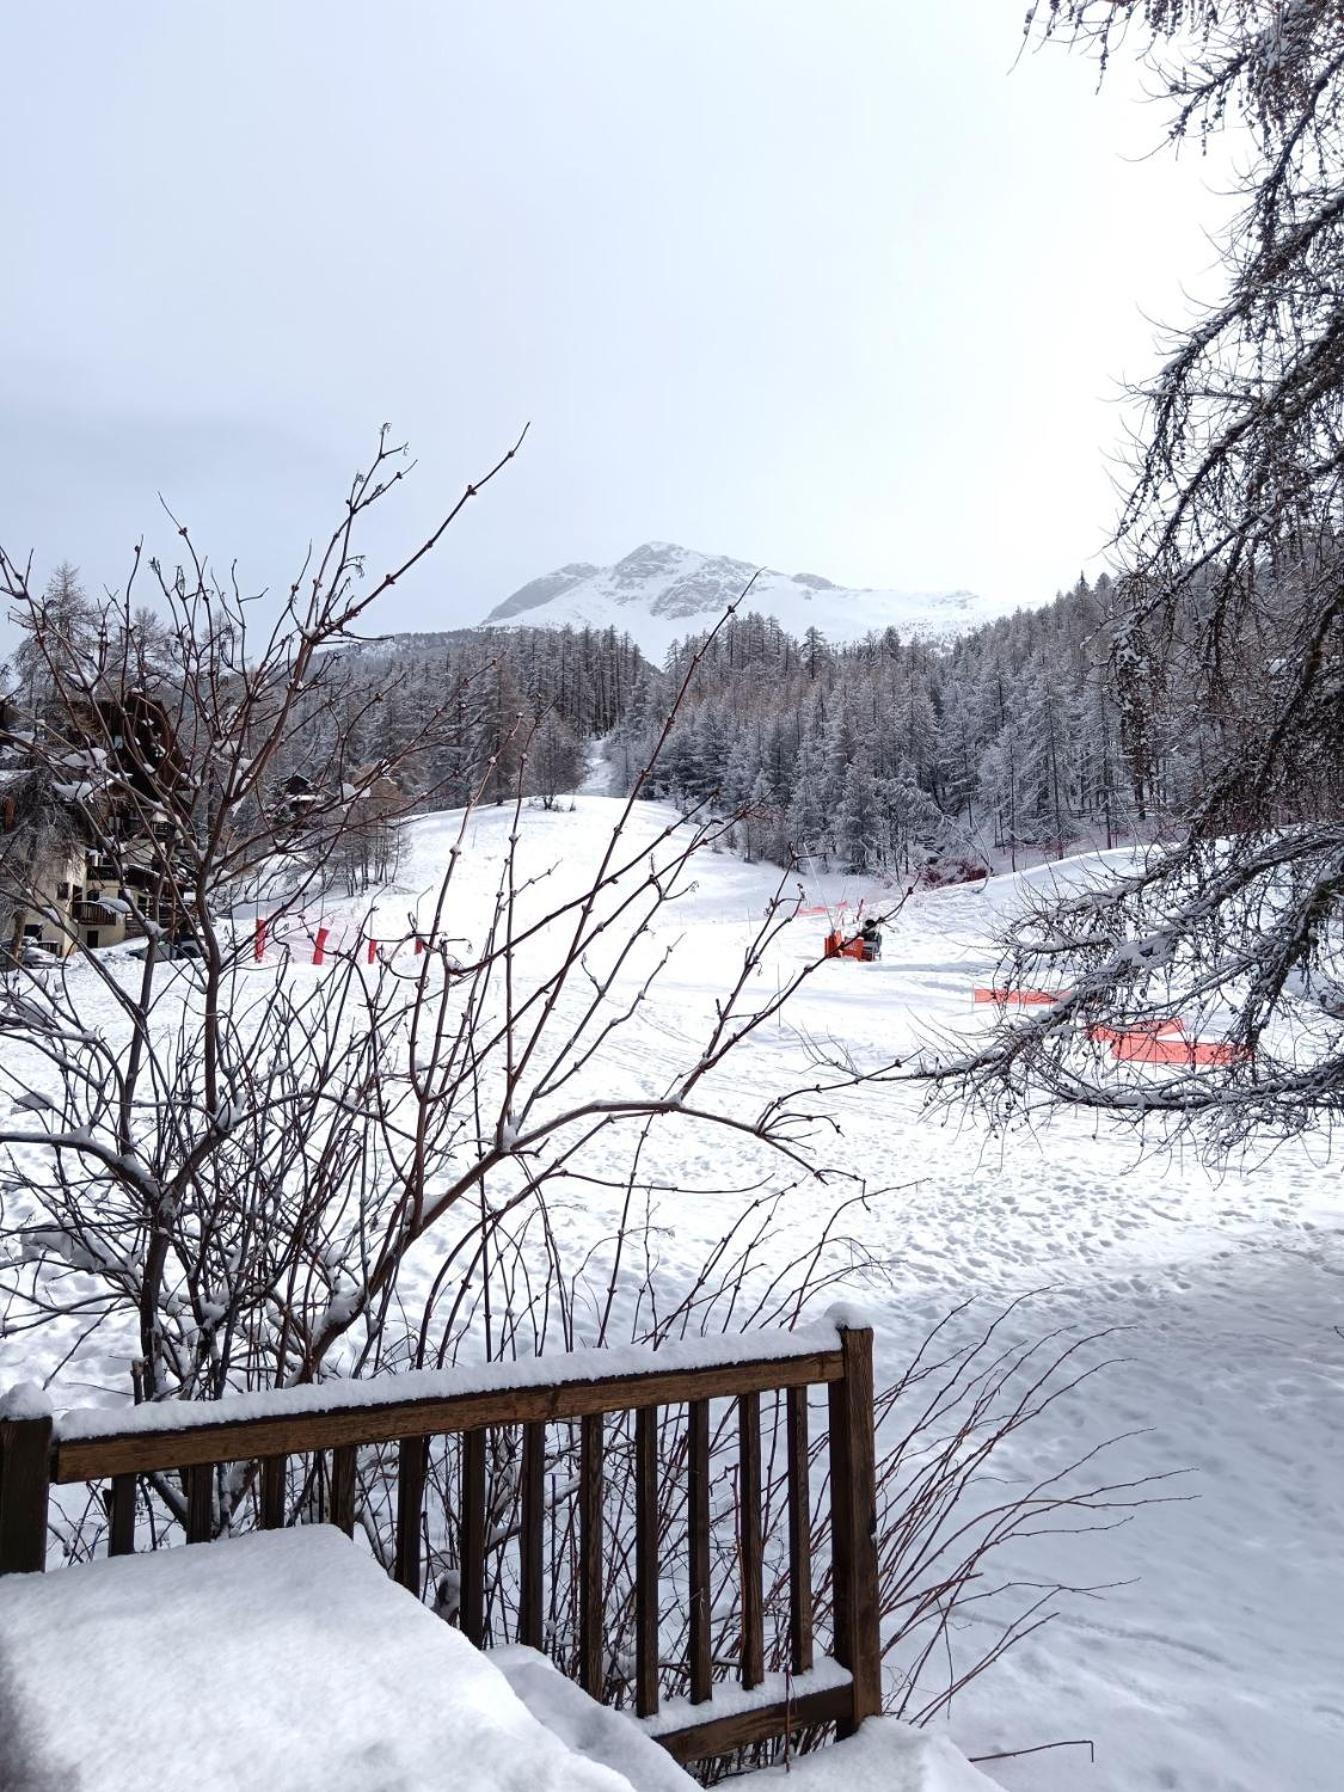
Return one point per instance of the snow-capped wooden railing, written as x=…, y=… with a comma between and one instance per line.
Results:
x=118, y=1445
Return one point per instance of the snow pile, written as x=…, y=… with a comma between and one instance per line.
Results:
x=661, y=593
x=285, y=1659
x=731, y=1700
x=25, y=1400
x=596, y=1731
x=884, y=1756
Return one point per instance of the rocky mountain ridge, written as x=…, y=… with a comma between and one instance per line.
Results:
x=661, y=592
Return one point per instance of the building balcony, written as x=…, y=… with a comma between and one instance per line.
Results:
x=94, y=914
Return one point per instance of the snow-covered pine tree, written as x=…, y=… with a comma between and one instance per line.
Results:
x=554, y=760
x=808, y=814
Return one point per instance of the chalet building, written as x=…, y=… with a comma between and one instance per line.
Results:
x=60, y=908
x=85, y=844
x=350, y=824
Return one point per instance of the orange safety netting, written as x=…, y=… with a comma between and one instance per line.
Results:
x=1165, y=1042
x=266, y=935
x=1022, y=998
x=1166, y=1048
x=1140, y=1042
x=1139, y=1029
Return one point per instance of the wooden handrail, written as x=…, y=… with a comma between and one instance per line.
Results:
x=192, y=1440
x=202, y=1438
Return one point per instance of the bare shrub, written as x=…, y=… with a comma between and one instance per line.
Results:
x=239, y=1164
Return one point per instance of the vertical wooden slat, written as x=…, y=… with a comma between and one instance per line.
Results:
x=273, y=1492
x=858, y=1644
x=200, y=1502
x=343, y=1488
x=749, y=1538
x=412, y=1458
x=591, y=1597
x=800, y=1534
x=646, y=1561
x=471, y=1538
x=697, y=1499
x=25, y=1489
x=531, y=1625
x=121, y=1516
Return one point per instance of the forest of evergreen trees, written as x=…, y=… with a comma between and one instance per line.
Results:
x=1016, y=741
x=471, y=712
x=1021, y=739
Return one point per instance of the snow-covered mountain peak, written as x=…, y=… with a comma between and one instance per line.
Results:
x=660, y=592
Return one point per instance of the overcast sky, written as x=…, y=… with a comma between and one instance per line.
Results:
x=833, y=287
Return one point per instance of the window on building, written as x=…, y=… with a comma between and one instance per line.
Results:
x=91, y=937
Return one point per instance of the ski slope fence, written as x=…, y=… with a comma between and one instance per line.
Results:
x=301, y=940
x=1137, y=1042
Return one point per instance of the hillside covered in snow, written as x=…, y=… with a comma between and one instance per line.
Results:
x=1202, y=1650
x=660, y=593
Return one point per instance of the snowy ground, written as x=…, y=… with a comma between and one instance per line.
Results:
x=321, y=1675
x=324, y=1675
x=1216, y=1665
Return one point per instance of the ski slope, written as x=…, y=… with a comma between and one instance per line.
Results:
x=1215, y=1660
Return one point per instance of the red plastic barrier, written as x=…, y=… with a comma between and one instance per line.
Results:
x=373, y=950
x=1141, y=1029
x=1138, y=1048
x=1164, y=1042
x=1149, y=1048
x=419, y=945
x=259, y=943
x=1218, y=1051
x=320, y=944
x=1021, y=998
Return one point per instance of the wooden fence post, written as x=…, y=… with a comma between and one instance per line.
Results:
x=646, y=1561
x=592, y=1578
x=532, y=1539
x=25, y=1484
x=858, y=1639
x=412, y=1463
x=471, y=1539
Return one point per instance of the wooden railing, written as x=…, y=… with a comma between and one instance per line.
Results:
x=92, y=913
x=341, y=1417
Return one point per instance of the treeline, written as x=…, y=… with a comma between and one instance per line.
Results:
x=1021, y=739
x=458, y=713
x=474, y=711
x=1027, y=737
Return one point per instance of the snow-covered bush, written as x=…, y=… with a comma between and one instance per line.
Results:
x=244, y=1174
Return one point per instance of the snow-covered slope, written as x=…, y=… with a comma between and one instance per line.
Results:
x=1214, y=1660
x=661, y=592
